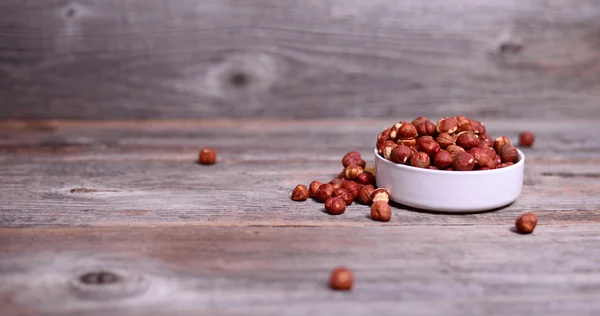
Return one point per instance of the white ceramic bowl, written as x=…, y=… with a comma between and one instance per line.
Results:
x=450, y=191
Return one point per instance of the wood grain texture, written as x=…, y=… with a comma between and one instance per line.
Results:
x=123, y=173
x=197, y=270
x=97, y=59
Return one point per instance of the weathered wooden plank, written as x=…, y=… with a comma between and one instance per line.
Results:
x=304, y=59
x=471, y=270
x=144, y=173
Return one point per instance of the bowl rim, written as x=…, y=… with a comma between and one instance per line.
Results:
x=457, y=173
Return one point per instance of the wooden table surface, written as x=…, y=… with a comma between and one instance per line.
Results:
x=127, y=197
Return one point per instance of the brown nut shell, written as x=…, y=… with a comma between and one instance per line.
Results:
x=300, y=193
x=381, y=211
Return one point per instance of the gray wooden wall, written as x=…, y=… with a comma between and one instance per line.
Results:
x=115, y=59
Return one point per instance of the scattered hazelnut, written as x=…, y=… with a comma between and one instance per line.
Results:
x=337, y=183
x=353, y=158
x=501, y=142
x=335, y=205
x=365, y=178
x=324, y=192
x=504, y=165
x=445, y=140
x=407, y=142
x=526, y=223
x=381, y=211
x=401, y=154
x=509, y=154
x=455, y=149
x=364, y=196
x=428, y=145
x=380, y=195
x=420, y=160
x=352, y=187
x=463, y=162
x=426, y=128
x=344, y=194
x=467, y=140
x=526, y=139
x=352, y=171
x=442, y=159
x=447, y=125
x=300, y=193
x=207, y=156
x=313, y=187
x=341, y=279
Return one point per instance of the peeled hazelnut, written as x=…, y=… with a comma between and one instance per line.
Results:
x=353, y=158
x=344, y=194
x=365, y=178
x=337, y=183
x=401, y=154
x=428, y=145
x=313, y=187
x=501, y=142
x=380, y=195
x=381, y=211
x=443, y=159
x=420, y=160
x=445, y=140
x=364, y=196
x=352, y=187
x=335, y=205
x=407, y=142
x=383, y=136
x=207, y=156
x=504, y=165
x=300, y=193
x=426, y=128
x=526, y=139
x=352, y=171
x=387, y=151
x=324, y=192
x=509, y=154
x=467, y=140
x=526, y=223
x=341, y=279
x=419, y=120
x=463, y=162
x=447, y=125
x=455, y=149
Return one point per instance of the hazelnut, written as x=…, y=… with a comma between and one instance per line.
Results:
x=352, y=187
x=353, y=158
x=478, y=127
x=324, y=192
x=381, y=211
x=207, y=156
x=465, y=127
x=498, y=160
x=442, y=159
x=467, y=140
x=433, y=168
x=387, y=151
x=509, y=154
x=401, y=154
x=364, y=196
x=526, y=223
x=500, y=142
x=445, y=140
x=380, y=195
x=344, y=194
x=410, y=142
x=420, y=160
x=426, y=128
x=352, y=171
x=504, y=165
x=447, y=125
x=419, y=120
x=300, y=193
x=463, y=162
x=483, y=157
x=365, y=178
x=382, y=146
x=342, y=175
x=526, y=139
x=337, y=183
x=335, y=205
x=341, y=279
x=462, y=120
x=455, y=149
x=403, y=130
x=313, y=187
x=428, y=145
x=383, y=136
x=485, y=140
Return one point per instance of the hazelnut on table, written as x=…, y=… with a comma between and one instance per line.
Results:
x=207, y=156
x=341, y=279
x=300, y=193
x=525, y=224
x=381, y=211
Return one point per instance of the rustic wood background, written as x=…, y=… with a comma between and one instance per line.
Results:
x=105, y=104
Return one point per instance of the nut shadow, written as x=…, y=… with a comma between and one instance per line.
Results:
x=418, y=210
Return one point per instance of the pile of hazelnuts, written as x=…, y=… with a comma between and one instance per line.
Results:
x=453, y=143
x=354, y=183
